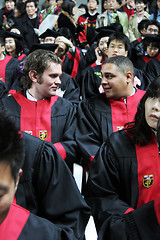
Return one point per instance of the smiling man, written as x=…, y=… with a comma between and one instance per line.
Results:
x=37, y=110
x=101, y=115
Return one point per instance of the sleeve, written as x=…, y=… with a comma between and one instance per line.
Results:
x=59, y=199
x=151, y=69
x=87, y=133
x=67, y=147
x=130, y=29
x=114, y=217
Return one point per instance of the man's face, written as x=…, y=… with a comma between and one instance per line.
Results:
x=117, y=48
x=92, y=5
x=152, y=29
x=31, y=9
x=48, y=83
x=152, y=111
x=112, y=5
x=114, y=82
x=7, y=190
x=61, y=49
x=10, y=5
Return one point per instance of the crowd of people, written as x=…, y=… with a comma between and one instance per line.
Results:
x=79, y=87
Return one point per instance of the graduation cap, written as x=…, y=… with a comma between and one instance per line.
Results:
x=102, y=33
x=46, y=46
x=12, y=35
x=49, y=33
x=151, y=37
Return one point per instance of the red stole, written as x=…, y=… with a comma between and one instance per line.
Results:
x=122, y=113
x=14, y=223
x=3, y=64
x=148, y=160
x=21, y=56
x=35, y=117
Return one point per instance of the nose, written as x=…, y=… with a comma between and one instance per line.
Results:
x=58, y=81
x=156, y=105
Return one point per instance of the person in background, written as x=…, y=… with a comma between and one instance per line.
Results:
x=87, y=22
x=140, y=15
x=29, y=23
x=123, y=185
x=7, y=14
x=112, y=15
x=9, y=67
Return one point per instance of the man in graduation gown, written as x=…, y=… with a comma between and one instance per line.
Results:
x=38, y=110
x=17, y=222
x=107, y=112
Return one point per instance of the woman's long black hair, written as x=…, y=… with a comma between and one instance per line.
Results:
x=139, y=129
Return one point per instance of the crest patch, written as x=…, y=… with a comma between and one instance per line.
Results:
x=43, y=134
x=148, y=180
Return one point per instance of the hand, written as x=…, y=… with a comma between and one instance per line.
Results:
x=64, y=40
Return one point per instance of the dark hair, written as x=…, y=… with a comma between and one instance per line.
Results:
x=154, y=43
x=142, y=24
x=29, y=1
x=19, y=47
x=96, y=1
x=139, y=128
x=2, y=42
x=68, y=6
x=139, y=1
x=120, y=37
x=20, y=7
x=38, y=60
x=11, y=144
x=123, y=63
x=153, y=22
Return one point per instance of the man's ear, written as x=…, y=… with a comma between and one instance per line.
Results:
x=126, y=53
x=129, y=76
x=19, y=175
x=33, y=75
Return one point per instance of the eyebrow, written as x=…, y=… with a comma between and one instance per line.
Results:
x=4, y=188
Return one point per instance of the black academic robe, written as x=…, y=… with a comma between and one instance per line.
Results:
x=74, y=63
x=98, y=117
x=90, y=81
x=47, y=187
x=22, y=225
x=52, y=119
x=9, y=71
x=69, y=88
x=123, y=189
x=153, y=68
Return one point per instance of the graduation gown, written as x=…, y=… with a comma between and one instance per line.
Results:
x=9, y=70
x=47, y=187
x=52, y=119
x=123, y=189
x=153, y=68
x=98, y=117
x=22, y=225
x=90, y=81
x=74, y=63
